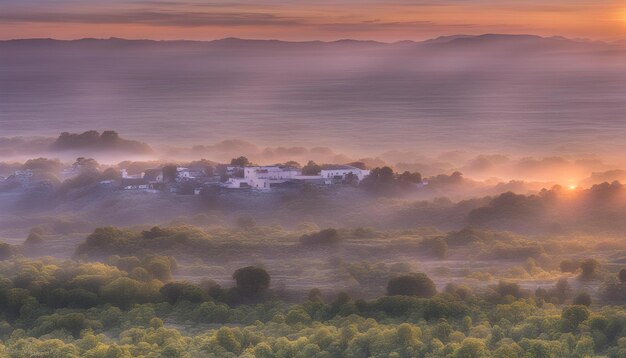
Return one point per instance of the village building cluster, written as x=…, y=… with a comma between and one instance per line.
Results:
x=268, y=177
x=261, y=178
x=194, y=179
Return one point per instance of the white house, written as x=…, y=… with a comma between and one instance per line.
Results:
x=125, y=175
x=262, y=178
x=339, y=172
x=186, y=173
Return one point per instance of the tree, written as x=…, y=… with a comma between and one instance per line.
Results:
x=569, y=266
x=263, y=350
x=408, y=177
x=315, y=295
x=34, y=238
x=293, y=164
x=583, y=299
x=182, y=291
x=86, y=164
x=351, y=178
x=239, y=162
x=109, y=137
x=417, y=284
x=562, y=289
x=160, y=267
x=509, y=289
x=122, y=292
x=311, y=168
x=574, y=316
x=589, y=268
x=622, y=275
x=170, y=173
x=381, y=175
x=251, y=281
x=6, y=251
x=472, y=348
x=227, y=339
x=435, y=246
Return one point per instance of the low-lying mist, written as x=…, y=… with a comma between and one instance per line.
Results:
x=556, y=194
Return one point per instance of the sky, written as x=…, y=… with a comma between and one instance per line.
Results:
x=298, y=20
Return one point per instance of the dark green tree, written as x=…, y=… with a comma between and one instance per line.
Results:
x=240, y=162
x=417, y=284
x=251, y=281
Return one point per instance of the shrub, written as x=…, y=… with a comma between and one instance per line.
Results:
x=509, y=289
x=178, y=291
x=251, y=281
x=436, y=246
x=589, y=268
x=6, y=251
x=583, y=299
x=569, y=266
x=33, y=239
x=574, y=316
x=417, y=284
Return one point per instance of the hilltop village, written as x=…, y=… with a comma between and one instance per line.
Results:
x=238, y=177
x=185, y=179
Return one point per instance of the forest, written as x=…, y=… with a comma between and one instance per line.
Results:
x=388, y=267
x=249, y=290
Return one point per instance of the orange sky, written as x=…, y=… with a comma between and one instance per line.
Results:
x=308, y=20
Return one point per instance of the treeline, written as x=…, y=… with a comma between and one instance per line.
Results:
x=94, y=140
x=126, y=308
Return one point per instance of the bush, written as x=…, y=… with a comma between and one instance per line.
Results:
x=583, y=299
x=417, y=284
x=6, y=251
x=436, y=246
x=251, y=281
x=574, y=316
x=509, y=289
x=569, y=266
x=589, y=268
x=33, y=238
x=178, y=291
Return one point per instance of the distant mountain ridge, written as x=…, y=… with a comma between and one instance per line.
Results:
x=452, y=39
x=502, y=44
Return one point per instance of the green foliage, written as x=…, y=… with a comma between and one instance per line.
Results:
x=6, y=251
x=583, y=299
x=311, y=168
x=589, y=268
x=569, y=266
x=173, y=292
x=240, y=161
x=251, y=281
x=436, y=247
x=417, y=284
x=573, y=316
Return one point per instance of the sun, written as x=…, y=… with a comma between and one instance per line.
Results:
x=572, y=187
